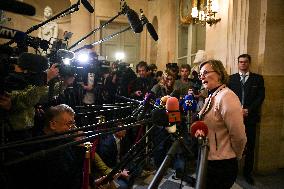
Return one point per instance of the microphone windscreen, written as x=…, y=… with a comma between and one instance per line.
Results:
x=198, y=125
x=152, y=31
x=160, y=118
x=172, y=104
x=164, y=100
x=149, y=98
x=17, y=7
x=134, y=21
x=172, y=107
x=33, y=62
x=189, y=103
x=88, y=6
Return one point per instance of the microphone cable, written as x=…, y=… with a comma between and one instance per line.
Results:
x=42, y=153
x=39, y=139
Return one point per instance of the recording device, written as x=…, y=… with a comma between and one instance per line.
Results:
x=17, y=7
x=133, y=19
x=124, y=76
x=172, y=107
x=62, y=53
x=88, y=6
x=34, y=66
x=22, y=39
x=149, y=26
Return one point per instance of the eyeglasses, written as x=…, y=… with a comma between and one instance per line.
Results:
x=205, y=73
x=69, y=124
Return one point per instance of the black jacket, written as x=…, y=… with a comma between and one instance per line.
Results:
x=254, y=94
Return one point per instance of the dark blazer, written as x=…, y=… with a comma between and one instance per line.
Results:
x=107, y=150
x=254, y=94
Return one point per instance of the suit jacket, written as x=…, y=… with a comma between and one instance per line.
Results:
x=107, y=150
x=254, y=94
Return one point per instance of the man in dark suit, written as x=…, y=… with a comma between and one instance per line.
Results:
x=110, y=150
x=249, y=87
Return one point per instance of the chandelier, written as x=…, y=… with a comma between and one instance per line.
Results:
x=199, y=12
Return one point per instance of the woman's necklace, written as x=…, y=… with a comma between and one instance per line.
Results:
x=207, y=106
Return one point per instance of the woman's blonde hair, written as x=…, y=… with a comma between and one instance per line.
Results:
x=219, y=68
x=166, y=73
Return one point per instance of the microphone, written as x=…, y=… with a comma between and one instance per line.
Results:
x=202, y=152
x=149, y=26
x=189, y=103
x=88, y=6
x=160, y=118
x=199, y=125
x=172, y=107
x=148, y=102
x=17, y=7
x=133, y=19
x=163, y=101
x=62, y=53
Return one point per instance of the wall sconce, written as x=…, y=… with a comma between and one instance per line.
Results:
x=199, y=12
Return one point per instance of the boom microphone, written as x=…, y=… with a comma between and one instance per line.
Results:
x=149, y=27
x=23, y=38
x=17, y=7
x=88, y=6
x=133, y=19
x=172, y=107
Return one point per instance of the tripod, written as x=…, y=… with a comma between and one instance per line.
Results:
x=202, y=162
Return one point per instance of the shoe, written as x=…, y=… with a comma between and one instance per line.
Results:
x=188, y=179
x=249, y=179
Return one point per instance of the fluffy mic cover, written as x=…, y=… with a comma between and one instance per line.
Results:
x=152, y=31
x=88, y=6
x=164, y=100
x=198, y=125
x=134, y=21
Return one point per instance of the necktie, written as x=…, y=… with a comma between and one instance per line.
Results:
x=118, y=150
x=243, y=80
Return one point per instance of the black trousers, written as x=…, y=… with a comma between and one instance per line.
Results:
x=250, y=146
x=221, y=174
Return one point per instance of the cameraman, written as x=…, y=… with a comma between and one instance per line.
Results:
x=142, y=84
x=28, y=83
